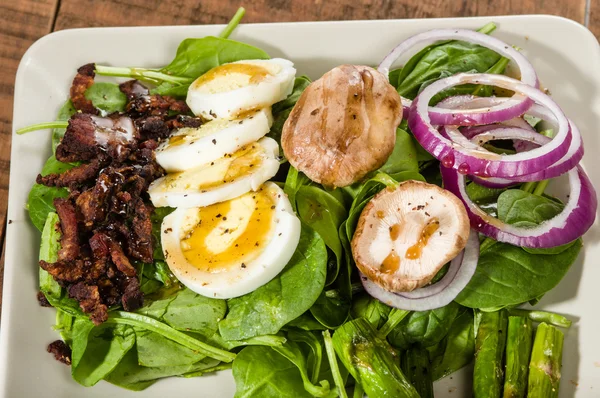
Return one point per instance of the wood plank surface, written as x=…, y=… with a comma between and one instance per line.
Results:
x=21, y=23
x=177, y=12
x=24, y=21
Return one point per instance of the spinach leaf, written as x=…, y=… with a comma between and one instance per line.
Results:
x=107, y=97
x=282, y=109
x=292, y=352
x=194, y=58
x=106, y=346
x=437, y=61
x=157, y=217
x=307, y=322
x=315, y=355
x=425, y=328
x=457, y=349
x=508, y=275
x=290, y=294
x=294, y=180
x=404, y=155
x=49, y=247
x=373, y=310
x=323, y=213
x=132, y=376
x=53, y=166
x=523, y=209
x=40, y=203
x=65, y=113
x=64, y=325
x=154, y=350
x=189, y=311
x=262, y=372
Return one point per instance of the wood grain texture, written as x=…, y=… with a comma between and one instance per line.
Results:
x=594, y=18
x=176, y=12
x=21, y=23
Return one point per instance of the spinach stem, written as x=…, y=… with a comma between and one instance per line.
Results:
x=333, y=364
x=542, y=316
x=497, y=68
x=221, y=366
x=151, y=75
x=486, y=244
x=541, y=187
x=239, y=14
x=43, y=126
x=396, y=316
x=528, y=186
x=145, y=322
x=359, y=392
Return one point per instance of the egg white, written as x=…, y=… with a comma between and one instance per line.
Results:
x=188, y=148
x=184, y=190
x=236, y=280
x=229, y=94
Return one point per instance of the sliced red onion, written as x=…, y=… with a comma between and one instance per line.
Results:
x=510, y=133
x=566, y=163
x=575, y=219
x=468, y=162
x=484, y=115
x=461, y=270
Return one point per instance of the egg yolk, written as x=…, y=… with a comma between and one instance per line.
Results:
x=233, y=76
x=223, y=171
x=216, y=243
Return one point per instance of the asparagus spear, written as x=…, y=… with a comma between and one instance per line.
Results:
x=489, y=350
x=546, y=357
x=416, y=366
x=542, y=316
x=371, y=361
x=518, y=351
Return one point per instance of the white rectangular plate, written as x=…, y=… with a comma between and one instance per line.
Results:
x=564, y=53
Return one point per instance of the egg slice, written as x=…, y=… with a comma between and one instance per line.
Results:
x=188, y=148
x=225, y=178
x=235, y=88
x=231, y=248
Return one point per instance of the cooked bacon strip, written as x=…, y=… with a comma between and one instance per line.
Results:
x=82, y=81
x=132, y=298
x=61, y=351
x=69, y=241
x=79, y=142
x=141, y=234
x=119, y=258
x=64, y=271
x=77, y=175
x=89, y=301
x=156, y=105
x=133, y=89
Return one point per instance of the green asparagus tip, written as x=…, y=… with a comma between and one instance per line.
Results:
x=42, y=126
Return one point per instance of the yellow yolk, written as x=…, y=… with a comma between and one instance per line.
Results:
x=230, y=234
x=233, y=76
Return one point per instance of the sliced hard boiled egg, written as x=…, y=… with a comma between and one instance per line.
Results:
x=223, y=179
x=231, y=248
x=188, y=148
x=232, y=89
x=406, y=234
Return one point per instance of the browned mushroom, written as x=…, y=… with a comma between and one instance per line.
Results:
x=406, y=234
x=343, y=126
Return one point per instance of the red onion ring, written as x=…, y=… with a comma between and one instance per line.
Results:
x=575, y=219
x=461, y=270
x=441, y=116
x=508, y=166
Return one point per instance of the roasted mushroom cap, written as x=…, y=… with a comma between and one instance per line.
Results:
x=343, y=126
x=406, y=234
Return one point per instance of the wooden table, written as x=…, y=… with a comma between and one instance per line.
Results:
x=24, y=21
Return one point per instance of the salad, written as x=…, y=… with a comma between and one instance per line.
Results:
x=366, y=233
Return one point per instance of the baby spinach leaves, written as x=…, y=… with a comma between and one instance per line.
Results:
x=510, y=275
x=107, y=97
x=282, y=109
x=262, y=372
x=267, y=309
x=457, y=349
